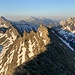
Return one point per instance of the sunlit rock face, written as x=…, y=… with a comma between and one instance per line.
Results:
x=68, y=24
x=18, y=49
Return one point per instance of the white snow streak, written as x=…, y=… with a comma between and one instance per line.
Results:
x=21, y=54
x=64, y=41
x=30, y=49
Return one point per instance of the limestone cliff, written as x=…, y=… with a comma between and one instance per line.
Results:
x=21, y=49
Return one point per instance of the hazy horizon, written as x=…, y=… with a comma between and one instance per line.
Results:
x=18, y=18
x=55, y=9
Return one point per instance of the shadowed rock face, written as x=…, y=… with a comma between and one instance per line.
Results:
x=55, y=60
x=1, y=48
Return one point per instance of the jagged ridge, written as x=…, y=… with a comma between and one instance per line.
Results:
x=21, y=49
x=40, y=51
x=57, y=59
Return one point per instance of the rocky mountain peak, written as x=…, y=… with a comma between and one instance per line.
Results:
x=68, y=24
x=4, y=23
x=70, y=19
x=2, y=17
x=21, y=49
x=8, y=34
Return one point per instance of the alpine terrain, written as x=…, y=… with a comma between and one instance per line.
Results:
x=27, y=49
x=67, y=31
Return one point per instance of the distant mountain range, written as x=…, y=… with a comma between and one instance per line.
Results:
x=38, y=20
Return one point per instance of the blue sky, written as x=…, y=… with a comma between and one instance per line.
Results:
x=55, y=8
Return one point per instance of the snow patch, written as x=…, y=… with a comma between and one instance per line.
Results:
x=44, y=41
x=64, y=41
x=60, y=43
x=40, y=33
x=67, y=44
x=21, y=54
x=30, y=49
x=3, y=26
x=4, y=67
x=74, y=57
x=62, y=32
x=52, y=31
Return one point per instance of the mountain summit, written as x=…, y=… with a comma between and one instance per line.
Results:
x=69, y=24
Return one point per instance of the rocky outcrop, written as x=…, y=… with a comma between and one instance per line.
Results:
x=68, y=24
x=55, y=60
x=4, y=23
x=18, y=49
x=67, y=31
